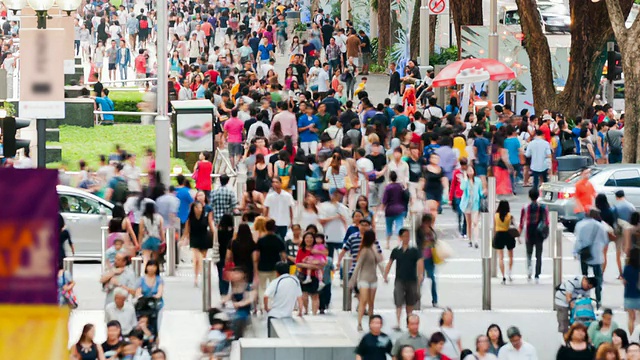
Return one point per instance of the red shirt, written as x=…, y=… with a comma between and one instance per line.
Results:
x=546, y=131
x=213, y=75
x=454, y=189
x=141, y=64
x=206, y=28
x=303, y=253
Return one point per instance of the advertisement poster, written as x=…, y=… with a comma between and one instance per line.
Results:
x=22, y=327
x=28, y=236
x=195, y=132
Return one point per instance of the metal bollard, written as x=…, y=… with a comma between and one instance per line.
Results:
x=170, y=238
x=67, y=265
x=346, y=292
x=413, y=218
x=486, y=261
x=364, y=188
x=136, y=262
x=553, y=227
x=557, y=263
x=301, y=191
x=103, y=247
x=206, y=284
x=491, y=202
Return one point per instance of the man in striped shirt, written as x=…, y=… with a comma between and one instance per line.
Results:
x=352, y=244
x=567, y=293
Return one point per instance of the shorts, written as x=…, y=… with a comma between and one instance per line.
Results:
x=376, y=190
x=366, y=58
x=152, y=243
x=312, y=287
x=235, y=149
x=481, y=169
x=112, y=66
x=355, y=60
x=405, y=293
x=367, y=285
x=503, y=240
x=310, y=147
x=527, y=161
x=99, y=65
x=632, y=303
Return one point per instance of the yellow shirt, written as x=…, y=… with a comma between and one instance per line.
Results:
x=503, y=225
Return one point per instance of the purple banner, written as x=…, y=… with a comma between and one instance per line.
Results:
x=28, y=236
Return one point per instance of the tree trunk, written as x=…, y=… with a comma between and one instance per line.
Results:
x=414, y=36
x=384, y=30
x=464, y=12
x=433, y=25
x=630, y=51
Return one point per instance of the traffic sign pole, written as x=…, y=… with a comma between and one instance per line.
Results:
x=424, y=34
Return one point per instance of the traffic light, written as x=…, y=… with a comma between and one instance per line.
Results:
x=10, y=144
x=614, y=64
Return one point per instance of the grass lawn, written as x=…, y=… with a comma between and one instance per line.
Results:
x=89, y=143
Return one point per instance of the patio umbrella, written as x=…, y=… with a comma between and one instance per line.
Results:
x=497, y=71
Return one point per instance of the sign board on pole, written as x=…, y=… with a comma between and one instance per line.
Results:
x=41, y=75
x=29, y=237
x=437, y=7
x=66, y=44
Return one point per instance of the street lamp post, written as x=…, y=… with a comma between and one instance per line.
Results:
x=162, y=123
x=493, y=50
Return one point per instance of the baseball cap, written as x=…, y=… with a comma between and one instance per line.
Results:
x=547, y=117
x=513, y=331
x=620, y=193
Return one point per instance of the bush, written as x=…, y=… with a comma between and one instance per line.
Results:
x=126, y=101
x=377, y=69
x=374, y=50
x=448, y=54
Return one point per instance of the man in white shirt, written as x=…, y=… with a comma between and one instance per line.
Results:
x=279, y=205
x=517, y=349
x=122, y=311
x=323, y=79
x=131, y=173
x=334, y=218
x=281, y=296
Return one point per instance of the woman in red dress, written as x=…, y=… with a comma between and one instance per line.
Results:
x=202, y=174
x=501, y=167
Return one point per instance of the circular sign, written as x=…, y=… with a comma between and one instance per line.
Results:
x=437, y=7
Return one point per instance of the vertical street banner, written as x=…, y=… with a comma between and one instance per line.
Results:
x=29, y=236
x=41, y=74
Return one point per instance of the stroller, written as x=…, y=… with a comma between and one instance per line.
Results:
x=583, y=311
x=148, y=307
x=217, y=342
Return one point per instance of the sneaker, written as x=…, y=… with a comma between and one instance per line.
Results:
x=504, y=281
x=307, y=280
x=476, y=245
x=528, y=277
x=321, y=286
x=434, y=304
x=470, y=245
x=465, y=236
x=510, y=278
x=537, y=280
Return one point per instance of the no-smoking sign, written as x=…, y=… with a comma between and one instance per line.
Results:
x=437, y=7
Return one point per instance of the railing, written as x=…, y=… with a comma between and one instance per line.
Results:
x=122, y=81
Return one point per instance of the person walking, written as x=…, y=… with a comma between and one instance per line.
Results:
x=151, y=232
x=375, y=344
x=426, y=238
x=591, y=239
x=395, y=203
x=364, y=274
x=601, y=332
x=223, y=199
x=630, y=278
x=225, y=234
x=539, y=151
x=197, y=235
x=86, y=348
x=409, y=274
x=577, y=345
x=472, y=195
x=453, y=345
x=279, y=206
x=503, y=238
x=334, y=217
x=270, y=250
x=534, y=218
x=412, y=337
x=282, y=295
x=496, y=341
x=202, y=173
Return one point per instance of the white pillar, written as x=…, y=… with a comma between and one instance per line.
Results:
x=373, y=22
x=424, y=33
x=163, y=125
x=344, y=12
x=493, y=50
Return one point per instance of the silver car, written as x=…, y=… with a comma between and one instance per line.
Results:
x=607, y=179
x=84, y=214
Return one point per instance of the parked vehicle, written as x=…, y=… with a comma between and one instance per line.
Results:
x=607, y=179
x=84, y=214
x=555, y=17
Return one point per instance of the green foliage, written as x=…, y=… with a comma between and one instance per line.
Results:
x=300, y=27
x=88, y=144
x=448, y=54
x=377, y=69
x=336, y=10
x=126, y=101
x=9, y=108
x=374, y=50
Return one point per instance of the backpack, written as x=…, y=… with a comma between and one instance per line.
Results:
x=144, y=23
x=120, y=192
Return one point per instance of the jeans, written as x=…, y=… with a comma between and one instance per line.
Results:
x=123, y=72
x=536, y=176
x=430, y=269
x=331, y=247
x=282, y=231
x=325, y=297
x=333, y=66
x=223, y=286
x=538, y=247
x=597, y=272
x=615, y=158
x=397, y=220
x=350, y=85
x=76, y=46
x=462, y=220
x=515, y=175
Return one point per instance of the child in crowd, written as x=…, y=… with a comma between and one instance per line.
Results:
x=361, y=87
x=113, y=250
x=318, y=259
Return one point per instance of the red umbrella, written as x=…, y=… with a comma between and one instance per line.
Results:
x=497, y=71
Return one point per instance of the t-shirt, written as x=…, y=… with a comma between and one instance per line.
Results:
x=270, y=247
x=182, y=193
x=234, y=126
x=614, y=139
x=482, y=146
x=379, y=162
x=279, y=205
x=400, y=122
x=512, y=145
x=265, y=51
x=141, y=64
x=415, y=169
x=308, y=135
x=406, y=263
x=336, y=229
x=321, y=80
x=573, y=287
x=283, y=294
x=374, y=347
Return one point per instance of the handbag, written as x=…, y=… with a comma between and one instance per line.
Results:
x=226, y=269
x=585, y=253
x=194, y=176
x=513, y=232
x=441, y=252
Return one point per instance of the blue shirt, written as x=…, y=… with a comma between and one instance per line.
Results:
x=482, y=144
x=591, y=233
x=105, y=105
x=265, y=51
x=308, y=135
x=200, y=92
x=576, y=138
x=512, y=145
x=185, y=198
x=624, y=209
